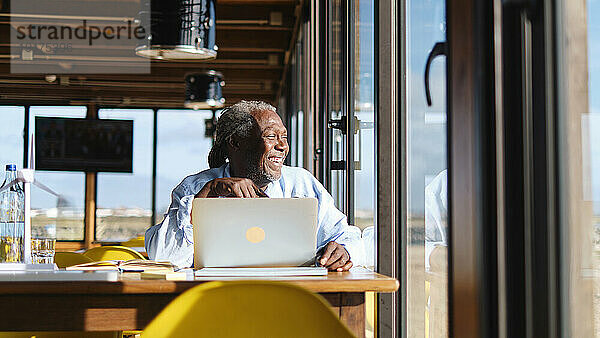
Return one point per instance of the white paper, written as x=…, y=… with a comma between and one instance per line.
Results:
x=27, y=267
x=59, y=275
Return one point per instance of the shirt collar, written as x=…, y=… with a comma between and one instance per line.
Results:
x=226, y=170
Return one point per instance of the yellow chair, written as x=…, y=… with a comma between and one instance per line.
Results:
x=104, y=253
x=134, y=242
x=247, y=309
x=64, y=259
x=371, y=309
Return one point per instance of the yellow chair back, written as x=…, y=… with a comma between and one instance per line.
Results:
x=65, y=259
x=104, y=253
x=134, y=242
x=247, y=309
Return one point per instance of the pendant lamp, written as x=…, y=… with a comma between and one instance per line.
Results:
x=204, y=90
x=180, y=30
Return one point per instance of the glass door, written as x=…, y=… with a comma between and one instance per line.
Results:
x=578, y=117
x=336, y=137
x=426, y=159
x=352, y=143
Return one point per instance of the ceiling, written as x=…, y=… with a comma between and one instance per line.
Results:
x=253, y=54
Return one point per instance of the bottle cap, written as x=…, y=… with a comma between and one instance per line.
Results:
x=11, y=167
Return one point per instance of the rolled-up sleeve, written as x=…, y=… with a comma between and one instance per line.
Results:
x=333, y=226
x=172, y=239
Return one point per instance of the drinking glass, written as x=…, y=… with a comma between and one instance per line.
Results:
x=42, y=250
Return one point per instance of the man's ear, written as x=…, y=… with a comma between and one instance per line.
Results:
x=234, y=143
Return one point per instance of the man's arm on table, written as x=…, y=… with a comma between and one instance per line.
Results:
x=334, y=231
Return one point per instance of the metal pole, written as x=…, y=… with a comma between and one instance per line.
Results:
x=348, y=104
x=27, y=176
x=26, y=138
x=154, y=165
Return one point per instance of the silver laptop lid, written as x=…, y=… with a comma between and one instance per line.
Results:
x=248, y=232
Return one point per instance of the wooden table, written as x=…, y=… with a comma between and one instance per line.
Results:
x=130, y=304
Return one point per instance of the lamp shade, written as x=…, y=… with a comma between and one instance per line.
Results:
x=180, y=30
x=203, y=90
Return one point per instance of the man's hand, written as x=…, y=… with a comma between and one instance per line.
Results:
x=335, y=257
x=231, y=187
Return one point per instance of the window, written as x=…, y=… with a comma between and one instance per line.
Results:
x=335, y=79
x=427, y=267
x=579, y=118
x=364, y=113
x=124, y=200
x=592, y=120
x=182, y=150
x=11, y=136
x=65, y=212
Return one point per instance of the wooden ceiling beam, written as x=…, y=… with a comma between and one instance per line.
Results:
x=252, y=28
x=133, y=86
x=148, y=102
x=257, y=2
x=193, y=66
x=163, y=75
x=255, y=12
x=266, y=39
x=117, y=68
x=86, y=91
x=251, y=49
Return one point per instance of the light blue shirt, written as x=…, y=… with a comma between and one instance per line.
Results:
x=172, y=239
x=436, y=214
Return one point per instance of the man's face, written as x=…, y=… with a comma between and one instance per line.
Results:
x=265, y=158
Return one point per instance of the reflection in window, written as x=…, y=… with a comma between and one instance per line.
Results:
x=364, y=139
x=64, y=213
x=338, y=149
x=296, y=104
x=182, y=150
x=124, y=200
x=427, y=263
x=591, y=159
x=299, y=138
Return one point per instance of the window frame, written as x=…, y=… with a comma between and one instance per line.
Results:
x=90, y=184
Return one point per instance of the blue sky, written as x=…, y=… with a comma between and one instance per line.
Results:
x=593, y=20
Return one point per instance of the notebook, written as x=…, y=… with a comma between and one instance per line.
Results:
x=134, y=265
x=58, y=275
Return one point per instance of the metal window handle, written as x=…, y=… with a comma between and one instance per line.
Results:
x=440, y=48
x=341, y=125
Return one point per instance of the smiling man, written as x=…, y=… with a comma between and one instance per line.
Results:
x=247, y=161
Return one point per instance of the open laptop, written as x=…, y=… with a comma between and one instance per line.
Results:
x=254, y=232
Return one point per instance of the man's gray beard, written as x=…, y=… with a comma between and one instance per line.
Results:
x=257, y=173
